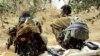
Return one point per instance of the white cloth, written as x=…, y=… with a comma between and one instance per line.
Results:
x=75, y=52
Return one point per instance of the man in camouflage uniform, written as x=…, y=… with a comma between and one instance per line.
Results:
x=23, y=19
x=12, y=31
x=31, y=30
x=60, y=25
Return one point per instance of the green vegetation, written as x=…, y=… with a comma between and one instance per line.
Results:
x=80, y=5
x=16, y=7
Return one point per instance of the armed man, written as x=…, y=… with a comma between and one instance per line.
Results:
x=71, y=31
x=26, y=36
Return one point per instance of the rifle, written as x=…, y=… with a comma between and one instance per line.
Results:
x=91, y=45
x=55, y=52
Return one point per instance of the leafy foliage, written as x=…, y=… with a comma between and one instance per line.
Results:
x=80, y=5
x=8, y=6
x=38, y=5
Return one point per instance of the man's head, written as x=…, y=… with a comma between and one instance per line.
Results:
x=66, y=10
x=24, y=16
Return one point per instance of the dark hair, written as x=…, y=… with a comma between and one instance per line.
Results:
x=26, y=14
x=66, y=10
x=23, y=15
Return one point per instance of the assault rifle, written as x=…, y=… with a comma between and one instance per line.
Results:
x=91, y=45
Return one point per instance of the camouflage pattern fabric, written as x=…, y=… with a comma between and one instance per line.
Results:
x=77, y=30
x=60, y=24
x=28, y=26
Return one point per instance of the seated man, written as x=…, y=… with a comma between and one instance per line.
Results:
x=67, y=30
x=28, y=38
x=22, y=19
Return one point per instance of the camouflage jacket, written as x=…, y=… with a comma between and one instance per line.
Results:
x=60, y=24
x=26, y=27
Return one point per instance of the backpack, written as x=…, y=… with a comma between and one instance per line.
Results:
x=77, y=29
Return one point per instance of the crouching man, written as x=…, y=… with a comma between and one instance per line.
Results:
x=70, y=32
x=27, y=37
